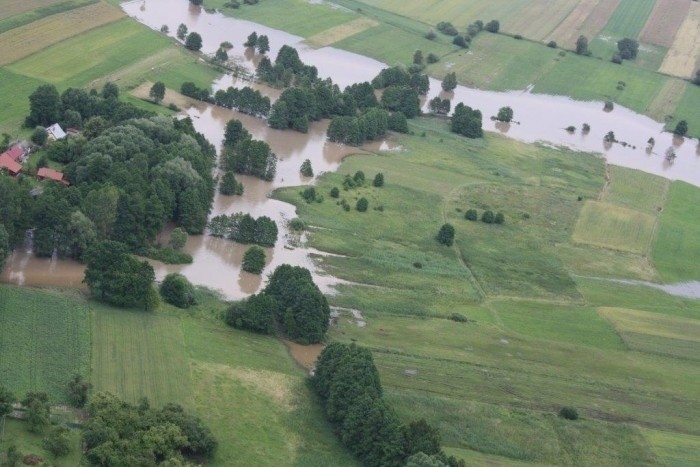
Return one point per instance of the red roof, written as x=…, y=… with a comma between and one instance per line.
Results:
x=15, y=152
x=51, y=174
x=8, y=163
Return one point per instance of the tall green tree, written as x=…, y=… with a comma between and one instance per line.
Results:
x=157, y=92
x=449, y=83
x=44, y=105
x=193, y=42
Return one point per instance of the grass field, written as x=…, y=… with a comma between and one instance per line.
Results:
x=44, y=341
x=672, y=448
x=40, y=10
x=687, y=109
x=610, y=226
x=684, y=54
x=629, y=18
x=16, y=434
x=635, y=189
x=676, y=249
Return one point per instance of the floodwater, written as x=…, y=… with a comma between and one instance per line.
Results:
x=217, y=261
x=689, y=289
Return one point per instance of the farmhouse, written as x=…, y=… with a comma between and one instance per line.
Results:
x=45, y=173
x=55, y=132
x=10, y=165
x=16, y=152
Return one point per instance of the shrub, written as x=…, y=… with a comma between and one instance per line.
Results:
x=254, y=260
x=617, y=58
x=335, y=192
x=459, y=317
x=362, y=204
x=569, y=413
x=609, y=105
x=471, y=215
x=459, y=41
x=446, y=235
x=552, y=44
x=256, y=313
x=39, y=136
x=493, y=26
x=418, y=265
x=177, y=290
x=378, y=180
x=505, y=114
x=430, y=35
x=297, y=224
x=571, y=129
x=488, y=217
x=359, y=178
x=517, y=37
x=309, y=194
x=178, y=238
x=432, y=58
x=78, y=390
x=681, y=128
x=168, y=255
x=585, y=128
x=58, y=442
x=500, y=218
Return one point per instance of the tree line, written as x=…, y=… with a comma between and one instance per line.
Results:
x=291, y=302
x=244, y=228
x=347, y=381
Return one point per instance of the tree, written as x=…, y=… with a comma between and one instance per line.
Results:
x=235, y=132
x=252, y=40
x=78, y=390
x=263, y=44
x=229, y=185
x=582, y=46
x=362, y=204
x=256, y=314
x=696, y=80
x=466, y=121
x=178, y=238
x=306, y=169
x=197, y=2
x=164, y=29
x=505, y=114
x=44, y=105
x=157, y=92
x=177, y=290
x=181, y=31
x=221, y=55
x=110, y=91
x=378, y=180
x=58, y=442
x=397, y=122
x=6, y=401
x=446, y=234
x=471, y=215
x=423, y=460
x=37, y=411
x=681, y=128
x=418, y=57
x=254, y=260
x=335, y=192
x=193, y=42
x=488, y=217
x=449, y=83
x=421, y=437
x=39, y=136
x=459, y=41
x=628, y=48
x=493, y=26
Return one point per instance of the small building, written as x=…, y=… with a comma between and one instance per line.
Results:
x=55, y=132
x=45, y=173
x=10, y=165
x=16, y=153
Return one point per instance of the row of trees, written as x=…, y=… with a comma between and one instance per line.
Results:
x=243, y=228
x=261, y=43
x=290, y=302
x=371, y=125
x=347, y=381
x=246, y=100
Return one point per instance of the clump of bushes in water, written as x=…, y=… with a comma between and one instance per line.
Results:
x=230, y=186
x=306, y=169
x=568, y=413
x=243, y=228
x=168, y=255
x=254, y=260
x=297, y=225
x=347, y=381
x=290, y=301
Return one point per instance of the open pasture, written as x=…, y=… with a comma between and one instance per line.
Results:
x=610, y=226
x=16, y=433
x=664, y=22
x=684, y=54
x=673, y=449
x=50, y=8
x=635, y=189
x=14, y=102
x=84, y=58
x=44, y=341
x=23, y=41
x=676, y=250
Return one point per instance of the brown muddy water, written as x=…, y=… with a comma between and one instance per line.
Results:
x=217, y=262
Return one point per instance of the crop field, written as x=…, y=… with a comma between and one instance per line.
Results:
x=23, y=41
x=16, y=7
x=340, y=32
x=629, y=18
x=685, y=52
x=84, y=58
x=569, y=29
x=49, y=8
x=664, y=22
x=610, y=226
x=676, y=249
x=44, y=341
x=668, y=99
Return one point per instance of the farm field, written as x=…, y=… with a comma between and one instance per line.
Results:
x=539, y=336
x=609, y=226
x=44, y=341
x=16, y=15
x=664, y=21
x=688, y=109
x=684, y=54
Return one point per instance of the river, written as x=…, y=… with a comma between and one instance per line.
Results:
x=217, y=262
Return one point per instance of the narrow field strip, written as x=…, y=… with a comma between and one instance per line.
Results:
x=33, y=15
x=343, y=31
x=539, y=19
x=685, y=51
x=629, y=18
x=598, y=18
x=16, y=7
x=667, y=99
x=23, y=41
x=664, y=22
x=568, y=30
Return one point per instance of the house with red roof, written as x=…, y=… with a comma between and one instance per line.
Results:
x=45, y=173
x=9, y=165
x=16, y=153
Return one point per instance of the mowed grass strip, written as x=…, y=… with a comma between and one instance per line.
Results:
x=139, y=354
x=44, y=341
x=91, y=55
x=635, y=189
x=629, y=18
x=685, y=51
x=673, y=449
x=26, y=40
x=343, y=31
x=676, y=248
x=610, y=226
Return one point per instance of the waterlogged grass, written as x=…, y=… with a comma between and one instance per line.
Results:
x=676, y=248
x=91, y=55
x=44, y=340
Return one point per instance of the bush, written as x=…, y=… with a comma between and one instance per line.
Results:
x=177, y=290
x=446, y=235
x=254, y=260
x=178, y=238
x=430, y=35
x=256, y=313
x=297, y=225
x=459, y=41
x=471, y=215
x=609, y=105
x=58, y=442
x=378, y=180
x=78, y=390
x=569, y=413
x=418, y=265
x=681, y=128
x=359, y=178
x=585, y=128
x=571, y=129
x=432, y=58
x=309, y=194
x=362, y=204
x=552, y=44
x=39, y=136
x=517, y=36
x=500, y=218
x=617, y=58
x=168, y=255
x=335, y=192
x=493, y=26
x=459, y=317
x=488, y=217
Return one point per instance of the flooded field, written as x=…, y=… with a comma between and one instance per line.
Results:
x=217, y=262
